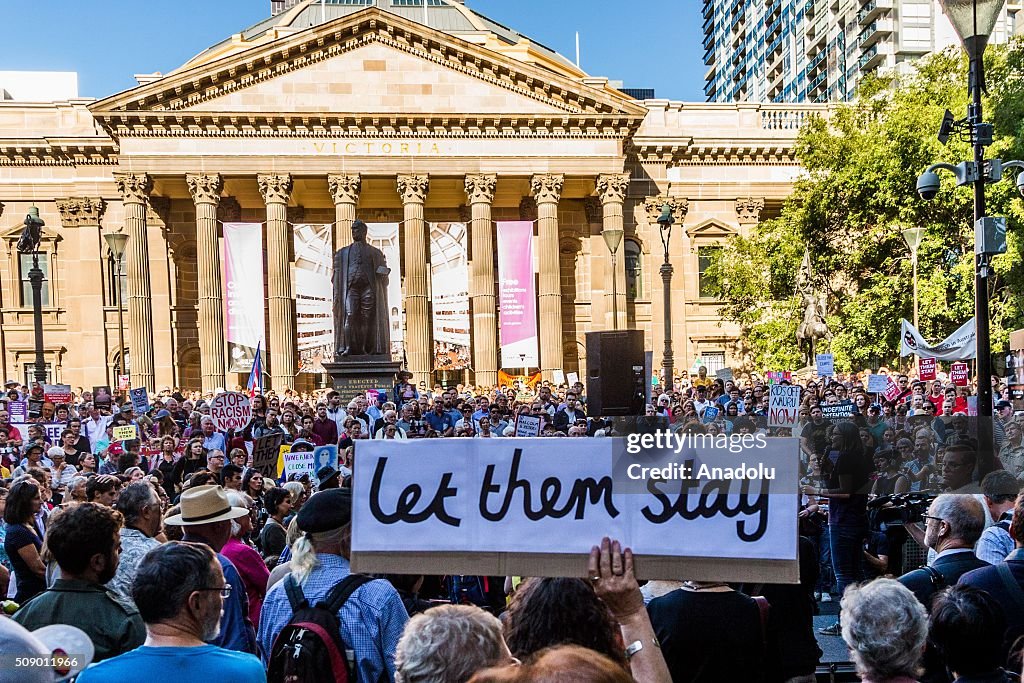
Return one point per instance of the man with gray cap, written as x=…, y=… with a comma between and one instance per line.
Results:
x=373, y=617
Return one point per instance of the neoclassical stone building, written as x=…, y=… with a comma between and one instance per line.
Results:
x=359, y=109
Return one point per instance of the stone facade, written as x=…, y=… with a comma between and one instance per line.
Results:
x=377, y=117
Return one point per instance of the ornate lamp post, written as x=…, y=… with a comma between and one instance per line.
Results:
x=29, y=244
x=974, y=21
x=665, y=221
x=116, y=241
x=913, y=237
x=613, y=238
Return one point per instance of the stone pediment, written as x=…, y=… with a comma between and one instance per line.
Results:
x=370, y=62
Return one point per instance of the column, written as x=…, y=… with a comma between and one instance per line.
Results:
x=748, y=213
x=345, y=191
x=80, y=217
x=205, y=190
x=419, y=350
x=276, y=190
x=480, y=191
x=547, y=190
x=135, y=189
x=612, y=188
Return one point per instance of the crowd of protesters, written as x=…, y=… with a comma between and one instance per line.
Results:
x=172, y=550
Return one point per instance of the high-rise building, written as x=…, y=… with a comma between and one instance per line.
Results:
x=818, y=50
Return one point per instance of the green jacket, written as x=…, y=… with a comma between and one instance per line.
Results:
x=113, y=626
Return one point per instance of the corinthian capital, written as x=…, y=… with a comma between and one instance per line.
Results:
x=480, y=188
x=275, y=188
x=613, y=187
x=413, y=188
x=78, y=211
x=547, y=188
x=134, y=187
x=748, y=209
x=680, y=206
x=205, y=187
x=345, y=188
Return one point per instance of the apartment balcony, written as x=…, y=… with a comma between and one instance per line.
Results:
x=874, y=56
x=872, y=10
x=875, y=31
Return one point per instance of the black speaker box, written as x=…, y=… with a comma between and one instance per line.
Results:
x=615, y=373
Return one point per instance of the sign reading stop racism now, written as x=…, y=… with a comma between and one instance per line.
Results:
x=230, y=410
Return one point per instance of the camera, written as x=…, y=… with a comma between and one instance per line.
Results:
x=928, y=185
x=1020, y=183
x=900, y=509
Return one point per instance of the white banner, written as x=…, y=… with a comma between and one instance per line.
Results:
x=449, y=295
x=783, y=405
x=314, y=295
x=521, y=503
x=384, y=236
x=243, y=302
x=960, y=345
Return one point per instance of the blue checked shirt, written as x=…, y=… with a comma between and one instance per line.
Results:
x=372, y=620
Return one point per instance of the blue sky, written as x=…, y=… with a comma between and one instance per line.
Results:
x=645, y=43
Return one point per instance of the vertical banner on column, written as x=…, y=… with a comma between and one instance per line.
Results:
x=243, y=301
x=449, y=295
x=314, y=296
x=517, y=296
x=384, y=236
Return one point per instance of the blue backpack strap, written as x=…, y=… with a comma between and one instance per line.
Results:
x=338, y=595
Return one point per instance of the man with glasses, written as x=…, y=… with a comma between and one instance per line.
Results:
x=952, y=526
x=958, y=470
x=180, y=592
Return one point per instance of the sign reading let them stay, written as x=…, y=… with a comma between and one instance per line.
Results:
x=536, y=506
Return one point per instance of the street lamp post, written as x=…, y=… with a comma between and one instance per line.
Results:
x=29, y=244
x=913, y=237
x=116, y=241
x=974, y=21
x=613, y=238
x=665, y=221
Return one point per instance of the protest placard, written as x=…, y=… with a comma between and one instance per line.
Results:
x=102, y=397
x=265, y=452
x=877, y=383
x=572, y=378
x=528, y=425
x=826, y=364
x=724, y=374
x=140, y=399
x=52, y=430
x=783, y=405
x=57, y=393
x=230, y=410
x=958, y=374
x=125, y=433
x=299, y=463
x=926, y=369
x=324, y=456
x=536, y=506
x=123, y=382
x=777, y=377
x=837, y=412
x=711, y=414
x=558, y=376
x=17, y=411
x=892, y=390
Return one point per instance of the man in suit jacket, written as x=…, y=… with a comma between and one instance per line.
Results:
x=952, y=526
x=1005, y=581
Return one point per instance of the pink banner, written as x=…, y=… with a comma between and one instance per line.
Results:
x=243, y=302
x=517, y=296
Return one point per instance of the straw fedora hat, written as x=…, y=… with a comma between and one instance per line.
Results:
x=204, y=505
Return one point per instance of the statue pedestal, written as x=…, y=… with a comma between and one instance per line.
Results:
x=355, y=375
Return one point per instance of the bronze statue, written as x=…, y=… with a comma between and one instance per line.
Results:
x=360, y=281
x=813, y=326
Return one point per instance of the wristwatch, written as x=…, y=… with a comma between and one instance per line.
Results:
x=638, y=645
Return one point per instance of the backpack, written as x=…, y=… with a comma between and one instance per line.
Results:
x=468, y=590
x=309, y=649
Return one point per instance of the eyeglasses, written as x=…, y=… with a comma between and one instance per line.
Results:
x=225, y=590
x=937, y=519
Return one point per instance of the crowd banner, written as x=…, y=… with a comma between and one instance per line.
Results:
x=243, y=280
x=517, y=298
x=837, y=412
x=57, y=393
x=384, y=236
x=536, y=506
x=926, y=369
x=449, y=295
x=52, y=430
x=314, y=295
x=783, y=405
x=265, y=452
x=961, y=345
x=826, y=364
x=140, y=399
x=230, y=410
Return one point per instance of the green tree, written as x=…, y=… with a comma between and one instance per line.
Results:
x=846, y=212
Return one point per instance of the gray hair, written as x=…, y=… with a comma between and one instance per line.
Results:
x=963, y=513
x=448, y=644
x=237, y=499
x=134, y=499
x=885, y=627
x=204, y=419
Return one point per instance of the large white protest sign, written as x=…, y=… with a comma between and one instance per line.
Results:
x=783, y=405
x=536, y=506
x=300, y=463
x=826, y=364
x=527, y=425
x=877, y=384
x=230, y=410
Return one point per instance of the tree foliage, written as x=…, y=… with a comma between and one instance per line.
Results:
x=859, y=189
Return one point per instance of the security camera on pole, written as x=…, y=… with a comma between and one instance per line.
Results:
x=974, y=21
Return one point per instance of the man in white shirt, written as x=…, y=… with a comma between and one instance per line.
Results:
x=95, y=425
